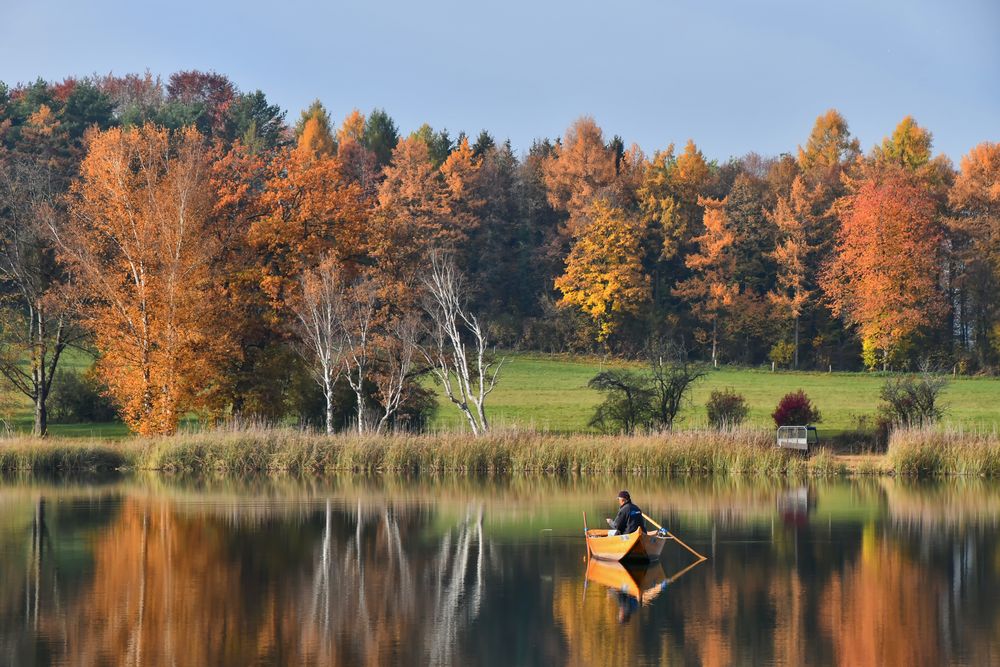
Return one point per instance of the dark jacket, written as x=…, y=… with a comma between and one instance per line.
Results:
x=629, y=519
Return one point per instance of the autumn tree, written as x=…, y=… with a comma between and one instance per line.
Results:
x=669, y=197
x=422, y=208
x=884, y=276
x=310, y=209
x=975, y=227
x=793, y=291
x=579, y=169
x=460, y=173
x=208, y=94
x=909, y=146
x=829, y=148
x=712, y=288
x=139, y=249
x=604, y=276
x=439, y=143
x=314, y=132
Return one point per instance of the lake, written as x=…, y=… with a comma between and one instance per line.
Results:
x=459, y=571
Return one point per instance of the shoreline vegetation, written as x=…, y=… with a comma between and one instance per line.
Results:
x=242, y=450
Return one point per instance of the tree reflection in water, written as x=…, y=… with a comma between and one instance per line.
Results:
x=873, y=573
x=359, y=585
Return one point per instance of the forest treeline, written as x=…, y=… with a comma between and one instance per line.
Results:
x=184, y=229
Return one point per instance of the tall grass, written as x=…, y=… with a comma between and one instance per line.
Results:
x=38, y=454
x=944, y=451
x=269, y=449
x=250, y=448
x=242, y=449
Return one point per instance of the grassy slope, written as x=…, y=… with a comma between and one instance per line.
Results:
x=550, y=392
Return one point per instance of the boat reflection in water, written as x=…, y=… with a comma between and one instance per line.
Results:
x=633, y=584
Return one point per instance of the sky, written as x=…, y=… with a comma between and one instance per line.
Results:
x=735, y=76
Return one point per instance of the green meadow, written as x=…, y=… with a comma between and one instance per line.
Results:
x=550, y=393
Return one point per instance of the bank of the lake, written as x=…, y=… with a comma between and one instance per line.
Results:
x=698, y=452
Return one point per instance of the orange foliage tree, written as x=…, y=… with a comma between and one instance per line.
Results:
x=140, y=251
x=884, y=275
x=792, y=294
x=422, y=208
x=581, y=168
x=311, y=210
x=975, y=234
x=713, y=287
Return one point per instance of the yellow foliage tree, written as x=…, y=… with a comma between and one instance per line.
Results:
x=669, y=196
x=313, y=131
x=604, y=276
x=352, y=129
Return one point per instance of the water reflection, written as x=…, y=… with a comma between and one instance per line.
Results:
x=372, y=571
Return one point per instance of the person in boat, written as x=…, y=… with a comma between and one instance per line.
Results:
x=629, y=518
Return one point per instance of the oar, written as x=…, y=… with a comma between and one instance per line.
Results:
x=585, y=537
x=672, y=536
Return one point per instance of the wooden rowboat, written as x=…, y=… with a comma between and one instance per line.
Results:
x=638, y=545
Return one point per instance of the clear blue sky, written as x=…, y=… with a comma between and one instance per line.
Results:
x=733, y=75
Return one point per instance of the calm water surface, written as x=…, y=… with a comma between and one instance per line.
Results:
x=372, y=571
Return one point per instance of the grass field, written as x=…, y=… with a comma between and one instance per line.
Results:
x=550, y=393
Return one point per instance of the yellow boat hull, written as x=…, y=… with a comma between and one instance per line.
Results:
x=639, y=545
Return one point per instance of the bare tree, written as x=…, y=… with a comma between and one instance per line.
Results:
x=358, y=323
x=320, y=314
x=345, y=330
x=35, y=323
x=672, y=376
x=397, y=351
x=467, y=372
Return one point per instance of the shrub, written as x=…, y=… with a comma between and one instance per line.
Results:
x=795, y=409
x=782, y=353
x=726, y=409
x=628, y=401
x=645, y=400
x=912, y=401
x=671, y=377
x=77, y=398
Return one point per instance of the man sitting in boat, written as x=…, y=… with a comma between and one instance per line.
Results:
x=629, y=517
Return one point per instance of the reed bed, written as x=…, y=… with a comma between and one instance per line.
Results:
x=269, y=449
x=945, y=451
x=39, y=454
x=247, y=449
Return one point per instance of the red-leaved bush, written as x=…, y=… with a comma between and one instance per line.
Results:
x=795, y=409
